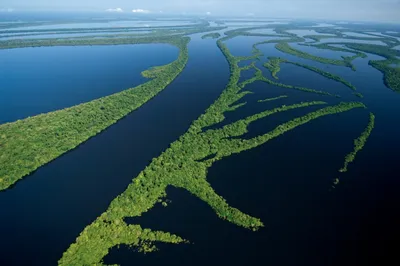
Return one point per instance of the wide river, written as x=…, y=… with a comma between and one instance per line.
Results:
x=286, y=182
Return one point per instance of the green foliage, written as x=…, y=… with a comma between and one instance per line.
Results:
x=325, y=74
x=202, y=24
x=359, y=95
x=274, y=65
x=32, y=142
x=359, y=143
x=336, y=49
x=160, y=36
x=260, y=77
x=285, y=48
x=374, y=49
x=212, y=35
x=391, y=75
x=185, y=165
x=272, y=99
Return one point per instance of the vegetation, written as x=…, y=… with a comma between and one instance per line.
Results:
x=185, y=165
x=203, y=24
x=285, y=48
x=259, y=77
x=381, y=50
x=32, y=142
x=359, y=143
x=115, y=31
x=359, y=95
x=212, y=35
x=272, y=99
x=325, y=74
x=318, y=38
x=336, y=49
x=165, y=36
x=391, y=73
x=274, y=65
x=27, y=144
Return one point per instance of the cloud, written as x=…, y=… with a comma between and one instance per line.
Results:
x=141, y=11
x=208, y=13
x=118, y=9
x=9, y=10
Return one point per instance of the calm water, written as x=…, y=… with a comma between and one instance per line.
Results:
x=333, y=40
x=70, y=35
x=320, y=52
x=43, y=214
x=302, y=33
x=110, y=24
x=356, y=34
x=39, y=80
x=286, y=182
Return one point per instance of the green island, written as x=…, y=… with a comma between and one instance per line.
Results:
x=273, y=99
x=162, y=36
x=359, y=143
x=202, y=24
x=260, y=77
x=335, y=49
x=391, y=75
x=286, y=48
x=389, y=67
x=359, y=95
x=212, y=35
x=274, y=66
x=32, y=142
x=185, y=165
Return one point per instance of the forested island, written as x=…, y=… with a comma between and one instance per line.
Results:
x=184, y=165
x=213, y=35
x=220, y=131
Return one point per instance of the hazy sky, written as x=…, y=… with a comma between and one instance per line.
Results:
x=382, y=10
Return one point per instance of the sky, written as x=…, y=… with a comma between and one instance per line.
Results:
x=363, y=10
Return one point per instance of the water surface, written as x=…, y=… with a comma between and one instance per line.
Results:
x=45, y=212
x=285, y=182
x=40, y=80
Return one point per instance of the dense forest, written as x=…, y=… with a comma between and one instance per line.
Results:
x=212, y=35
x=185, y=165
x=32, y=142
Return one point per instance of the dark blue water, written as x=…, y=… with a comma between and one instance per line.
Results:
x=285, y=182
x=302, y=77
x=40, y=80
x=44, y=213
